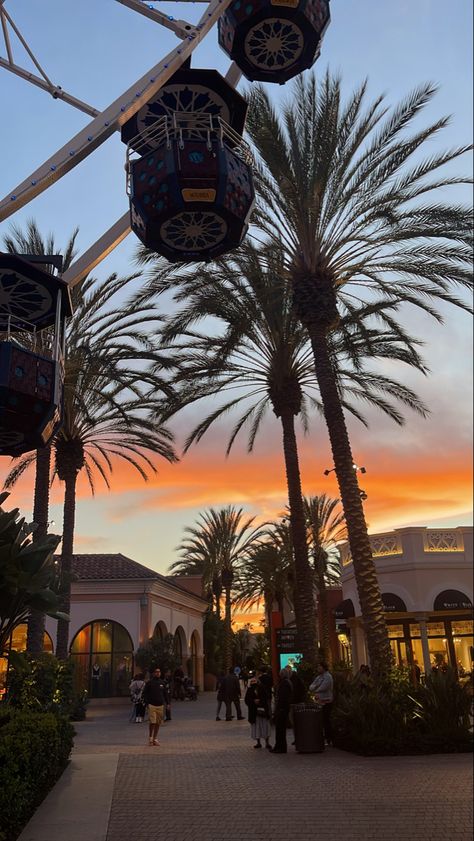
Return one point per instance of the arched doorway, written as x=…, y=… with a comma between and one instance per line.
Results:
x=161, y=631
x=180, y=646
x=103, y=655
x=195, y=651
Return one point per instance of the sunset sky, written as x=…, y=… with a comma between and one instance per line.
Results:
x=417, y=475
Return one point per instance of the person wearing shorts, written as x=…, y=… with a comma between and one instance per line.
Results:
x=155, y=694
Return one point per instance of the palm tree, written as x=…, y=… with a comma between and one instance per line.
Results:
x=261, y=353
x=223, y=539
x=264, y=576
x=326, y=528
x=109, y=394
x=31, y=241
x=198, y=557
x=340, y=190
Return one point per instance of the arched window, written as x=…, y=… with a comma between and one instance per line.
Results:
x=18, y=639
x=103, y=654
x=18, y=643
x=194, y=657
x=160, y=631
x=180, y=643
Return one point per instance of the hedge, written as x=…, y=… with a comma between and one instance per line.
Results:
x=34, y=749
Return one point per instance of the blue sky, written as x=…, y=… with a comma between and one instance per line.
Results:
x=95, y=49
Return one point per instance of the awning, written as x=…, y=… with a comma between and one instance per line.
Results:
x=393, y=604
x=452, y=600
x=344, y=610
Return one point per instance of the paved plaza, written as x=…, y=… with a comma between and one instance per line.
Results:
x=206, y=783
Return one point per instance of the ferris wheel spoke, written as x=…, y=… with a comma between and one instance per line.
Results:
x=106, y=123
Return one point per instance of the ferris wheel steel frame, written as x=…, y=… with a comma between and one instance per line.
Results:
x=106, y=122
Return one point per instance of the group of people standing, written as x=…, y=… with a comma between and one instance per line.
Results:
x=262, y=707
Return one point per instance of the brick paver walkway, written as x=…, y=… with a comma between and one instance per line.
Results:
x=206, y=783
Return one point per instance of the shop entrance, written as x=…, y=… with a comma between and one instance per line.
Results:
x=103, y=655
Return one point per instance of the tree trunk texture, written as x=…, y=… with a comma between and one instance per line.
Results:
x=69, y=516
x=304, y=606
x=228, y=631
x=36, y=619
x=323, y=611
x=364, y=568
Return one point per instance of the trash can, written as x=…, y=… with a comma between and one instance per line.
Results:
x=308, y=728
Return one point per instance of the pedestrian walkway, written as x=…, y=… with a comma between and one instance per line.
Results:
x=206, y=783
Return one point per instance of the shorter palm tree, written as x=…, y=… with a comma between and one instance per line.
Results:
x=264, y=577
x=223, y=539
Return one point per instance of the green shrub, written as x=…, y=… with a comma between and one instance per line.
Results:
x=34, y=749
x=45, y=684
x=442, y=707
x=390, y=717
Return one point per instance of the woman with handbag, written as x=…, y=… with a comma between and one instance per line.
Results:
x=258, y=704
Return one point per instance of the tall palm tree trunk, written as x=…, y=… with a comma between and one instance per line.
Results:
x=304, y=606
x=36, y=619
x=323, y=611
x=217, y=590
x=364, y=568
x=228, y=631
x=69, y=516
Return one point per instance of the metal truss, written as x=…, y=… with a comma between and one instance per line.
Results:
x=104, y=123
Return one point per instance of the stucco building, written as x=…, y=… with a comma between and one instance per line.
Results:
x=117, y=604
x=425, y=577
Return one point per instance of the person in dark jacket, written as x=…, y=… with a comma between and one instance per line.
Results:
x=258, y=712
x=232, y=696
x=282, y=711
x=265, y=677
x=220, y=694
x=155, y=694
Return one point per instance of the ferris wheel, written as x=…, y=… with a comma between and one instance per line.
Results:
x=189, y=171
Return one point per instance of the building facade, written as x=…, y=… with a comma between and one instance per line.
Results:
x=117, y=604
x=425, y=578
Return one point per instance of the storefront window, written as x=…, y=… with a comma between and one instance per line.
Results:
x=395, y=631
x=103, y=655
x=18, y=639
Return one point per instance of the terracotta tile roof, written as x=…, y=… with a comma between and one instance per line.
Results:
x=110, y=567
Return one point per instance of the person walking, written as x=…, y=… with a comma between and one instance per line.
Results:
x=282, y=711
x=258, y=712
x=220, y=694
x=155, y=695
x=136, y=696
x=232, y=696
x=323, y=688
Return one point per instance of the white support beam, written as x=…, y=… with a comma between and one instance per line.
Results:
x=99, y=251
x=110, y=120
x=55, y=91
x=181, y=28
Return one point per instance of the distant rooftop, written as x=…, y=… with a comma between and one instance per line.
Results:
x=110, y=567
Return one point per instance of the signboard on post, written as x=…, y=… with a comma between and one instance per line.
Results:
x=288, y=647
x=287, y=640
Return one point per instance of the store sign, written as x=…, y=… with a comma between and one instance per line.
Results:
x=287, y=640
x=452, y=600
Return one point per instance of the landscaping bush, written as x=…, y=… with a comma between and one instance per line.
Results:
x=391, y=717
x=34, y=749
x=45, y=684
